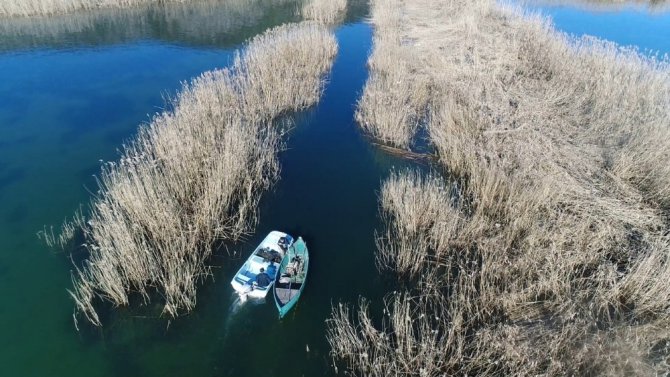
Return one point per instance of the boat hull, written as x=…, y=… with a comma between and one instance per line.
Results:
x=291, y=278
x=286, y=308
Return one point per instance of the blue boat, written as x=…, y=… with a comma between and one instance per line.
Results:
x=291, y=277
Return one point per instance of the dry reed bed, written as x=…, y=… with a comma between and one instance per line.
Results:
x=553, y=259
x=325, y=11
x=395, y=95
x=194, y=174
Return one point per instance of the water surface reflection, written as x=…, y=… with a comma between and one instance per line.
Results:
x=208, y=23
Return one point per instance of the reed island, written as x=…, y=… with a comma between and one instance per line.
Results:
x=540, y=243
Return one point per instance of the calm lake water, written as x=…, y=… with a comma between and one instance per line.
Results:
x=73, y=89
x=639, y=26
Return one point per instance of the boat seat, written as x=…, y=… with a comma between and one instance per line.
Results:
x=272, y=271
x=248, y=274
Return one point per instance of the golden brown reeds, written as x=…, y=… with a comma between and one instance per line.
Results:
x=194, y=174
x=325, y=11
x=392, y=105
x=552, y=257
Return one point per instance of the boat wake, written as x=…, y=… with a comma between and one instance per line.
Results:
x=240, y=301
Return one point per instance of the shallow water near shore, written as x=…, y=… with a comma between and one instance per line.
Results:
x=70, y=96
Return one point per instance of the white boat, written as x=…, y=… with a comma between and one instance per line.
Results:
x=267, y=256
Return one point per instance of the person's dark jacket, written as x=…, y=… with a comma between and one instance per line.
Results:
x=263, y=279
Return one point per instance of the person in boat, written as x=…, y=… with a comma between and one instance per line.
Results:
x=275, y=256
x=283, y=243
x=262, y=279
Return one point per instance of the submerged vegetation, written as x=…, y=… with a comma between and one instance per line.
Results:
x=194, y=174
x=549, y=252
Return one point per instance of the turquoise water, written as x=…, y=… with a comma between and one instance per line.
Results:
x=647, y=29
x=72, y=90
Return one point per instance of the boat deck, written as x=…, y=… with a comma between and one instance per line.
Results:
x=291, y=277
x=284, y=295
